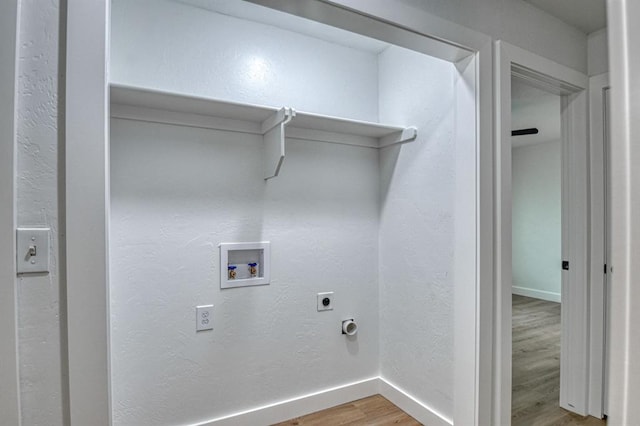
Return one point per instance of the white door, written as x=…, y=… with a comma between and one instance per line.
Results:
x=574, y=367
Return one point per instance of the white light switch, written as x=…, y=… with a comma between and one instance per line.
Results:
x=204, y=317
x=32, y=250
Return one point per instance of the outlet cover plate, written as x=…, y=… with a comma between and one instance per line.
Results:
x=204, y=317
x=321, y=305
x=32, y=250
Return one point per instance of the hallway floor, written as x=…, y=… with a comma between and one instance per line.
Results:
x=536, y=366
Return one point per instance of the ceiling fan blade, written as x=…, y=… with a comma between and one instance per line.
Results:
x=522, y=132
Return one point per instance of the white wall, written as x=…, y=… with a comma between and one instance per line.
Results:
x=598, y=52
x=179, y=192
x=176, y=194
x=537, y=220
x=162, y=44
x=178, y=225
x=41, y=313
x=516, y=22
x=417, y=229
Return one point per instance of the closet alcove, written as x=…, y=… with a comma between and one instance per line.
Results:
x=234, y=123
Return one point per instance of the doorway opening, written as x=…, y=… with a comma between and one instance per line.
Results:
x=578, y=340
x=539, y=191
x=536, y=252
x=282, y=141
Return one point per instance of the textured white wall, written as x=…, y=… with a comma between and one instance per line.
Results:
x=40, y=316
x=417, y=205
x=417, y=228
x=516, y=22
x=177, y=193
x=537, y=220
x=162, y=44
x=598, y=52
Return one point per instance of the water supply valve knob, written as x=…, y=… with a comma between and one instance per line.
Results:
x=232, y=272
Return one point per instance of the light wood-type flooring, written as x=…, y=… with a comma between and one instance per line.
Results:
x=536, y=379
x=372, y=411
x=536, y=366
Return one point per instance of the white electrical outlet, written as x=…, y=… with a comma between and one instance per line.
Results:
x=325, y=301
x=204, y=317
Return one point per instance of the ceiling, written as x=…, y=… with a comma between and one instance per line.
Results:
x=264, y=15
x=586, y=15
x=532, y=107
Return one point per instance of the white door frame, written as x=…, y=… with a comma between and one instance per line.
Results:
x=87, y=208
x=598, y=294
x=574, y=358
x=9, y=368
x=624, y=63
x=88, y=192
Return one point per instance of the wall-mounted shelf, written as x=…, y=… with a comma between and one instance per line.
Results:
x=150, y=105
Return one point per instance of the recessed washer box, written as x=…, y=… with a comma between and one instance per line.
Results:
x=245, y=264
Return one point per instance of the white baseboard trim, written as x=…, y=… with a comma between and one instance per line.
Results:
x=296, y=407
x=537, y=294
x=307, y=404
x=412, y=406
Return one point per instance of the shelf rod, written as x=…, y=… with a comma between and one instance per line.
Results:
x=408, y=134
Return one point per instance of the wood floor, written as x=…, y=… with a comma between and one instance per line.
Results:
x=372, y=411
x=536, y=379
x=536, y=366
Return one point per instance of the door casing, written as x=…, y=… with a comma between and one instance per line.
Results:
x=572, y=86
x=599, y=243
x=9, y=370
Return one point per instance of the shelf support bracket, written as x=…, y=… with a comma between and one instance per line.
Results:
x=406, y=135
x=273, y=130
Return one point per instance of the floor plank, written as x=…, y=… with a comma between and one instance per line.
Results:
x=372, y=411
x=536, y=366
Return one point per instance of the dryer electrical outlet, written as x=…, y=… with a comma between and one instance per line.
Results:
x=325, y=301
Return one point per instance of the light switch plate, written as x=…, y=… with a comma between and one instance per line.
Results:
x=204, y=317
x=32, y=250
